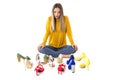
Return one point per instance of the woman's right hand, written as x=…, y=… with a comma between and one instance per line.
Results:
x=40, y=46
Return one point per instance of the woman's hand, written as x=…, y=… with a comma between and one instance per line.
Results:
x=75, y=47
x=40, y=46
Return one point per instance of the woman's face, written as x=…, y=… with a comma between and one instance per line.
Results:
x=56, y=13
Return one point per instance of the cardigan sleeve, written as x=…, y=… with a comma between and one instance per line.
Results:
x=69, y=31
x=47, y=31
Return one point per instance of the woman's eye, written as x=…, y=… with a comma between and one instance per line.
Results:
x=59, y=12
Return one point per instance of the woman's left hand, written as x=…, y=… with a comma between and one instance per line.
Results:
x=75, y=47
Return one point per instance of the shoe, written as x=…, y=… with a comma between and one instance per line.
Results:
x=60, y=59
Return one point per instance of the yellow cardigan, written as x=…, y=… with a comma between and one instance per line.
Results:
x=57, y=38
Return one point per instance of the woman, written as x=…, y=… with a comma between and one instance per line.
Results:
x=57, y=27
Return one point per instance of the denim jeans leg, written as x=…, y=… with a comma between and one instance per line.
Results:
x=66, y=50
x=49, y=50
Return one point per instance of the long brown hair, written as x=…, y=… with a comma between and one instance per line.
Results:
x=62, y=21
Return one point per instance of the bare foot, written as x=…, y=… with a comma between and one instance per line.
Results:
x=66, y=55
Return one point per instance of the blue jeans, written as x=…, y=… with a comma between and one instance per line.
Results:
x=49, y=50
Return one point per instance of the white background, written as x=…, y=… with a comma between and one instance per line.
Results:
x=95, y=26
